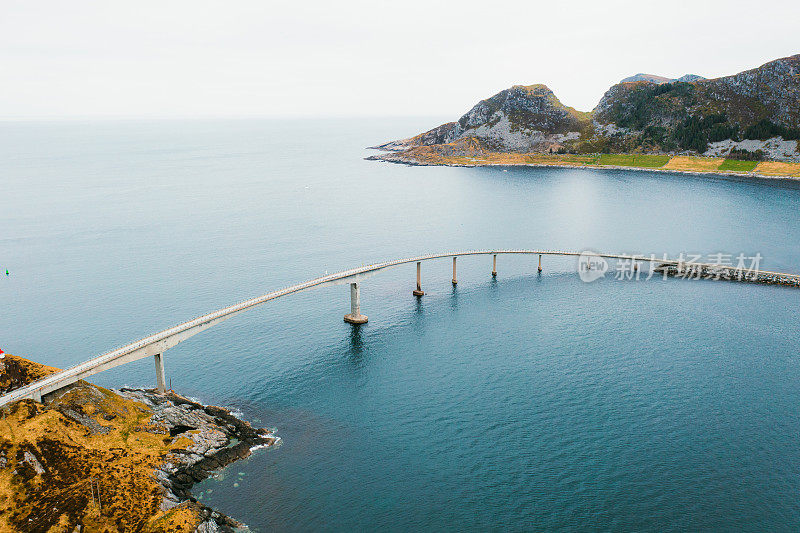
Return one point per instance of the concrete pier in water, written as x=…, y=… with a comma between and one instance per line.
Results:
x=418, y=291
x=161, y=382
x=494, y=266
x=455, y=279
x=355, y=316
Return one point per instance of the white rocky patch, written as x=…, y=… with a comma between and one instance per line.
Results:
x=31, y=459
x=208, y=526
x=775, y=148
x=609, y=129
x=518, y=140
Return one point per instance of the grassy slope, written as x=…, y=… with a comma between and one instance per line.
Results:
x=695, y=164
x=471, y=152
x=738, y=166
x=88, y=432
x=637, y=160
x=16, y=372
x=775, y=168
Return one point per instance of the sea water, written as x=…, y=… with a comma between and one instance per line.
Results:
x=526, y=402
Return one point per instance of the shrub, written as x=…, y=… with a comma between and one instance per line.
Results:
x=746, y=155
x=766, y=129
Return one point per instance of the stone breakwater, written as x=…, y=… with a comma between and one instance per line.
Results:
x=718, y=272
x=217, y=437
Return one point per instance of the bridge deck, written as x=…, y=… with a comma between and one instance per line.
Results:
x=158, y=342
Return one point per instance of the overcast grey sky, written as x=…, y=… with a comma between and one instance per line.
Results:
x=108, y=58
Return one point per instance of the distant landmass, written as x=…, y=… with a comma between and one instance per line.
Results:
x=753, y=116
x=688, y=78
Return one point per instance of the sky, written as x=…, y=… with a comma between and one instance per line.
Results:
x=260, y=58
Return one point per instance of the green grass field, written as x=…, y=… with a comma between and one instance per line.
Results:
x=634, y=160
x=738, y=166
x=582, y=159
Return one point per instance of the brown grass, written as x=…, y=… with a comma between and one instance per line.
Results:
x=471, y=152
x=118, y=447
x=775, y=168
x=16, y=372
x=694, y=164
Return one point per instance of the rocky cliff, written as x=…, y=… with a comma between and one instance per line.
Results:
x=522, y=118
x=757, y=104
x=661, y=79
x=751, y=115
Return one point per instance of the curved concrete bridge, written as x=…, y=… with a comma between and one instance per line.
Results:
x=155, y=345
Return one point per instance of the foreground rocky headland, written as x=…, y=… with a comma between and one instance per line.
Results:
x=92, y=459
x=744, y=124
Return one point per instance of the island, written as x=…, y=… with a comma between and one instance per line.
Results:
x=747, y=124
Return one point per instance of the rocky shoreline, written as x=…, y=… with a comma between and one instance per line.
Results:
x=396, y=157
x=218, y=439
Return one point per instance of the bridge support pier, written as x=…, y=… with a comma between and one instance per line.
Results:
x=540, y=263
x=161, y=385
x=419, y=291
x=494, y=266
x=455, y=279
x=355, y=316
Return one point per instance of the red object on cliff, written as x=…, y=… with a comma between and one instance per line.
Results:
x=1, y=351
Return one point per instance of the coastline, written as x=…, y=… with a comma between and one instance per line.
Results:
x=218, y=437
x=394, y=157
x=95, y=459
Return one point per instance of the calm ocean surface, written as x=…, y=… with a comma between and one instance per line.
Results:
x=526, y=403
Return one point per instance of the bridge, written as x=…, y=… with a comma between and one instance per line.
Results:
x=155, y=345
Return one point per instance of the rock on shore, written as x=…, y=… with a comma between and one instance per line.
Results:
x=217, y=439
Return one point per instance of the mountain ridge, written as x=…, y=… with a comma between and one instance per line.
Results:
x=752, y=114
x=641, y=76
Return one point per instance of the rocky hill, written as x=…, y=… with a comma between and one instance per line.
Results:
x=522, y=118
x=661, y=79
x=91, y=459
x=752, y=115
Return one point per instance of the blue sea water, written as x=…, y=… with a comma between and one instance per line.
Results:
x=529, y=402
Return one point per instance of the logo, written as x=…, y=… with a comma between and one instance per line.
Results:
x=591, y=266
